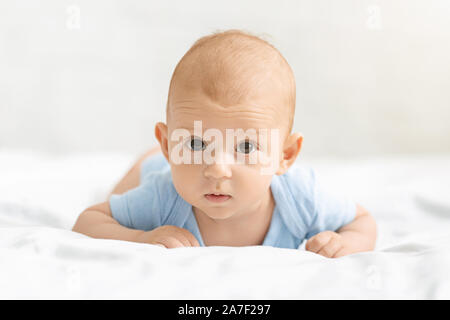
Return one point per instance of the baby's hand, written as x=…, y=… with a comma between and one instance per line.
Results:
x=327, y=243
x=169, y=237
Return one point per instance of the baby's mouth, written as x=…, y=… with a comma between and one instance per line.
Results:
x=217, y=197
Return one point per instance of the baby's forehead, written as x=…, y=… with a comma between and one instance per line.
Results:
x=187, y=109
x=234, y=69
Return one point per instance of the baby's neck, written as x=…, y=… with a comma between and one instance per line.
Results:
x=247, y=230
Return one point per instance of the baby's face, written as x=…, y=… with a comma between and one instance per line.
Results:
x=246, y=181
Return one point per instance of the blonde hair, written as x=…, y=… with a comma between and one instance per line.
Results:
x=230, y=63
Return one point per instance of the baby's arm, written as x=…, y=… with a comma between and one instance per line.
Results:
x=357, y=236
x=97, y=222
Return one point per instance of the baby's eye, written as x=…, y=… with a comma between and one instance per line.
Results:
x=246, y=147
x=196, y=144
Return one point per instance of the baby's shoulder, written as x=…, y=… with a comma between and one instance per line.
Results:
x=299, y=178
x=299, y=169
x=159, y=182
x=296, y=188
x=156, y=163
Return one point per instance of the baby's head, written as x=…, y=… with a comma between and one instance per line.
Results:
x=229, y=81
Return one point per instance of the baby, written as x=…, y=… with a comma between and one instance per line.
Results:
x=189, y=191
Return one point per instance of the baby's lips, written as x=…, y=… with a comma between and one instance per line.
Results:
x=218, y=194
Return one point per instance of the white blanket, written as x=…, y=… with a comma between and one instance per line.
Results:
x=42, y=195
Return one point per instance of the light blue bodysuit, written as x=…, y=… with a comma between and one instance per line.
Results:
x=302, y=208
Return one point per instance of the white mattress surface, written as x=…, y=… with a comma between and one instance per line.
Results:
x=41, y=196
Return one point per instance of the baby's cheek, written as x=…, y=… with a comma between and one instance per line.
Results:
x=256, y=184
x=185, y=182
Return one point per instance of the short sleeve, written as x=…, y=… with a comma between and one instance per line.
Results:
x=140, y=208
x=330, y=210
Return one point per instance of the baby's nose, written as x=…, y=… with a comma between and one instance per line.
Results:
x=219, y=166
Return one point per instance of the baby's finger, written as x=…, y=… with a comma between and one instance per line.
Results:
x=317, y=242
x=170, y=242
x=341, y=252
x=183, y=235
x=180, y=236
x=330, y=249
x=193, y=242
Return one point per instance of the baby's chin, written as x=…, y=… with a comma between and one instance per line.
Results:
x=215, y=212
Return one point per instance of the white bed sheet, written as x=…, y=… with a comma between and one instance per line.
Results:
x=41, y=196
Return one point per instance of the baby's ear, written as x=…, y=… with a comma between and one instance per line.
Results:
x=291, y=149
x=161, y=133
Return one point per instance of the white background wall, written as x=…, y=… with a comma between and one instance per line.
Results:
x=373, y=77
